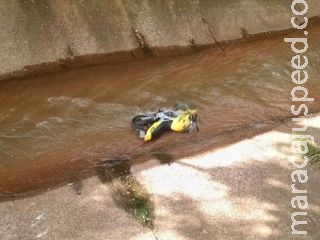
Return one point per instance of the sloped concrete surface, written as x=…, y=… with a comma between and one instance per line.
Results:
x=240, y=191
x=42, y=31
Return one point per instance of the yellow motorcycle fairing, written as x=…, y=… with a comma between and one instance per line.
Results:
x=151, y=130
x=182, y=121
x=178, y=124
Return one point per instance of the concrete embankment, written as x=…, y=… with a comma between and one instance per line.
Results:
x=38, y=36
x=241, y=191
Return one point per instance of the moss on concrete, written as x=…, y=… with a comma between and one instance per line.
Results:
x=130, y=195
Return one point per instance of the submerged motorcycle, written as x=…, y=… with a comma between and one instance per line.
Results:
x=153, y=126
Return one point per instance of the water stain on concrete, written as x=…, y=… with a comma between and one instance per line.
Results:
x=127, y=192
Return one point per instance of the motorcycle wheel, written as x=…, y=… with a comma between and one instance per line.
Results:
x=140, y=122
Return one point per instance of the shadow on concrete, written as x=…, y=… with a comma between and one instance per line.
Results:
x=258, y=190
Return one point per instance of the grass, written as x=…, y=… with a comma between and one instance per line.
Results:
x=313, y=154
x=127, y=192
x=130, y=195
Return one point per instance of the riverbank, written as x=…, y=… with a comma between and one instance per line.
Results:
x=241, y=191
x=53, y=36
x=60, y=127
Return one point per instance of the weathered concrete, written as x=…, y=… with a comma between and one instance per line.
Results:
x=41, y=31
x=242, y=191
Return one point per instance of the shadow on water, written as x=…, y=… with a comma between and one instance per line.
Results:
x=163, y=156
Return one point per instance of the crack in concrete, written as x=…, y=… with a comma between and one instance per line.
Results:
x=212, y=35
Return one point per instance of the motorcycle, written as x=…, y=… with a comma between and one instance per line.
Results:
x=153, y=126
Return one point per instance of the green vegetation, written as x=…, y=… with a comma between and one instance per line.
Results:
x=313, y=154
x=130, y=195
x=127, y=192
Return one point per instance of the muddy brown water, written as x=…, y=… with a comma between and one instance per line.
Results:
x=57, y=128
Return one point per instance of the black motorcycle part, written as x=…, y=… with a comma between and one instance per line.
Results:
x=142, y=122
x=162, y=128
